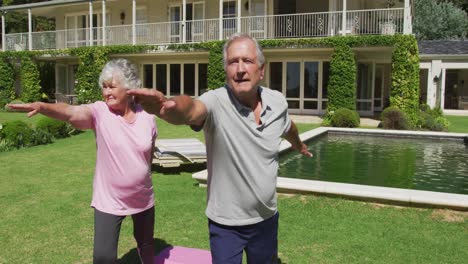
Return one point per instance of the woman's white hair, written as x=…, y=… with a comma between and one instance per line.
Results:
x=238, y=36
x=126, y=71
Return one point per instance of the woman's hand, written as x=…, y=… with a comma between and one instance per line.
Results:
x=31, y=108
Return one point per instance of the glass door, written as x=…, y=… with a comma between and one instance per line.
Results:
x=293, y=85
x=77, y=34
x=197, y=27
x=304, y=84
x=311, y=86
x=257, y=21
x=379, y=83
x=364, y=97
x=229, y=18
x=175, y=17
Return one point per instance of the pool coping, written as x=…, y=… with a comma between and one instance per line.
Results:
x=357, y=191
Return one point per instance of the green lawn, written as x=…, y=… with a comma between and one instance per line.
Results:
x=45, y=192
x=7, y=116
x=458, y=124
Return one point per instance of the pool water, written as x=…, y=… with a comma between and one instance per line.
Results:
x=439, y=165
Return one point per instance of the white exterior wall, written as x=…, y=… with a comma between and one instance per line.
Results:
x=438, y=67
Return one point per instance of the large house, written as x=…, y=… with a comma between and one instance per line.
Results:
x=444, y=74
x=301, y=74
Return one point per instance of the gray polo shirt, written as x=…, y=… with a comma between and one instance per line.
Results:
x=242, y=156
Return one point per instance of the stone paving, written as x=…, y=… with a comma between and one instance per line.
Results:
x=312, y=119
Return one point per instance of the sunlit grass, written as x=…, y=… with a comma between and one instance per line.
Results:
x=45, y=192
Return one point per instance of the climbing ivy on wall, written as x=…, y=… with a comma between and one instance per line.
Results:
x=216, y=74
x=91, y=62
x=7, y=79
x=342, y=84
x=404, y=92
x=30, y=82
x=87, y=74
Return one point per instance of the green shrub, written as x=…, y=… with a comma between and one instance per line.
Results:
x=344, y=117
x=6, y=145
x=41, y=137
x=393, y=118
x=3, y=102
x=326, y=120
x=18, y=132
x=432, y=119
x=56, y=128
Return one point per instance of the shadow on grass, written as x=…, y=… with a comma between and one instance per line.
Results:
x=191, y=168
x=132, y=256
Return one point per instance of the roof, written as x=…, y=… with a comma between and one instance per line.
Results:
x=443, y=47
x=39, y=4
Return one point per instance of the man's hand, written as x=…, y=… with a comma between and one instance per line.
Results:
x=305, y=151
x=152, y=100
x=32, y=108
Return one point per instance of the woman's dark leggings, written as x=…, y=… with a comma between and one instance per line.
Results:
x=107, y=231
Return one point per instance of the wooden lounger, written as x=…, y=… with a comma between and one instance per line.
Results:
x=174, y=152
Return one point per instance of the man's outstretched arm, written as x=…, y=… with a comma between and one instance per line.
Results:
x=292, y=136
x=177, y=110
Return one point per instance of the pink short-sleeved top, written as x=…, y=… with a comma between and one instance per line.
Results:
x=122, y=179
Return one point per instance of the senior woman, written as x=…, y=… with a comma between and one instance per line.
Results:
x=125, y=136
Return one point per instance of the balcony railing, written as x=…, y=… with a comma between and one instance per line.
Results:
x=359, y=22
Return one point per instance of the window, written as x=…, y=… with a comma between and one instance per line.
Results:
x=161, y=77
x=293, y=76
x=141, y=19
x=148, y=76
x=311, y=79
x=202, y=78
x=303, y=82
x=229, y=9
x=276, y=76
x=325, y=78
x=189, y=79
x=183, y=78
x=229, y=15
x=174, y=81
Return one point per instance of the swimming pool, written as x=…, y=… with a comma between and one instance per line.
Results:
x=362, y=191
x=418, y=163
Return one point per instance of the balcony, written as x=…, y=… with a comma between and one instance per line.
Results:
x=306, y=25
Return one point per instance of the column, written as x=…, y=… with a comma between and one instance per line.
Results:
x=3, y=32
x=220, y=19
x=133, y=22
x=433, y=91
x=407, y=22
x=29, y=29
x=239, y=8
x=184, y=16
x=343, y=19
x=91, y=23
x=103, y=22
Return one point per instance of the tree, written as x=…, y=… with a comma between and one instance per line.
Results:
x=439, y=20
x=463, y=4
x=16, y=22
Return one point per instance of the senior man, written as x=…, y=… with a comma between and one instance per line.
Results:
x=243, y=124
